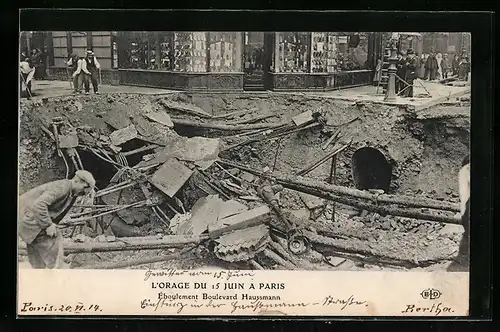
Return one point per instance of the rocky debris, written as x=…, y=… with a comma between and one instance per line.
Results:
x=230, y=221
x=230, y=208
x=160, y=117
x=243, y=244
x=120, y=136
x=335, y=261
x=188, y=149
x=204, y=214
x=245, y=219
x=312, y=202
x=183, y=107
x=303, y=118
x=171, y=176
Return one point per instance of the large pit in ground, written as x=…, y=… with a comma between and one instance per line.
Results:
x=393, y=147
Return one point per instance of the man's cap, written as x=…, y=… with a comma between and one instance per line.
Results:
x=86, y=177
x=89, y=52
x=410, y=51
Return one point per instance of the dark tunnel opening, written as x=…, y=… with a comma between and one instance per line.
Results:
x=100, y=169
x=135, y=157
x=371, y=170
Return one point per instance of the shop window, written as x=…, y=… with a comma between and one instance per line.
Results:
x=352, y=51
x=225, y=51
x=114, y=52
x=190, y=52
x=292, y=52
x=166, y=51
x=141, y=51
x=323, y=53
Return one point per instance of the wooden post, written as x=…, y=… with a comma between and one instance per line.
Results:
x=90, y=43
x=207, y=45
x=28, y=44
x=158, y=49
x=333, y=175
x=69, y=43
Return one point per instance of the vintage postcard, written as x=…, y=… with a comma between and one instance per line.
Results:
x=213, y=173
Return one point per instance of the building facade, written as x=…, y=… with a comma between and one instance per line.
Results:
x=226, y=61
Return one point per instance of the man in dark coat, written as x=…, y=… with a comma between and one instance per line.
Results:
x=93, y=67
x=400, y=72
x=431, y=65
x=411, y=71
x=41, y=209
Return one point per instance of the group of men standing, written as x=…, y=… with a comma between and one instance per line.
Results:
x=407, y=71
x=84, y=71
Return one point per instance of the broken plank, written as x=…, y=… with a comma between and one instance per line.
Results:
x=171, y=176
x=249, y=218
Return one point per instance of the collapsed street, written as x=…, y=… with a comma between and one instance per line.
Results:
x=252, y=180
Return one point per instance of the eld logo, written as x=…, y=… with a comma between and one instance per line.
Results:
x=431, y=294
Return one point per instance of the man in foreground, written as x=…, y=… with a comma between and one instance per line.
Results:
x=41, y=209
x=461, y=262
x=27, y=73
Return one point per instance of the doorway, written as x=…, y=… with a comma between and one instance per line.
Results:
x=257, y=60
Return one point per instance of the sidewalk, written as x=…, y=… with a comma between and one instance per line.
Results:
x=439, y=93
x=49, y=88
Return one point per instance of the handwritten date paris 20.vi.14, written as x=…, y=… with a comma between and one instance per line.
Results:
x=29, y=307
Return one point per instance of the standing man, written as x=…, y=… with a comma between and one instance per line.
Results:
x=27, y=73
x=400, y=72
x=412, y=64
x=40, y=209
x=461, y=262
x=93, y=67
x=73, y=65
x=432, y=66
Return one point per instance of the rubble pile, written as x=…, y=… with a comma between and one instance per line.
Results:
x=206, y=190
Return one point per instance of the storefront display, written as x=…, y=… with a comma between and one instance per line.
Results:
x=225, y=51
x=166, y=51
x=324, y=52
x=190, y=52
x=292, y=52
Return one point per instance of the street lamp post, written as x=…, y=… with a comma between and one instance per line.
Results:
x=390, y=94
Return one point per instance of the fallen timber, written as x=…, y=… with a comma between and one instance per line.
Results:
x=124, y=244
x=219, y=126
x=338, y=193
x=141, y=261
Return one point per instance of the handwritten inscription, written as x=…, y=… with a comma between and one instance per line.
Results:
x=436, y=309
x=227, y=275
x=240, y=302
x=344, y=303
x=64, y=308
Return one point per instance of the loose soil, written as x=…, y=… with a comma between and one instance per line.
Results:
x=424, y=149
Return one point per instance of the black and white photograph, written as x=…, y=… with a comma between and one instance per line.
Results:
x=244, y=151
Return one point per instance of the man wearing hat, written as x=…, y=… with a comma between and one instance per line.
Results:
x=411, y=71
x=41, y=209
x=90, y=67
